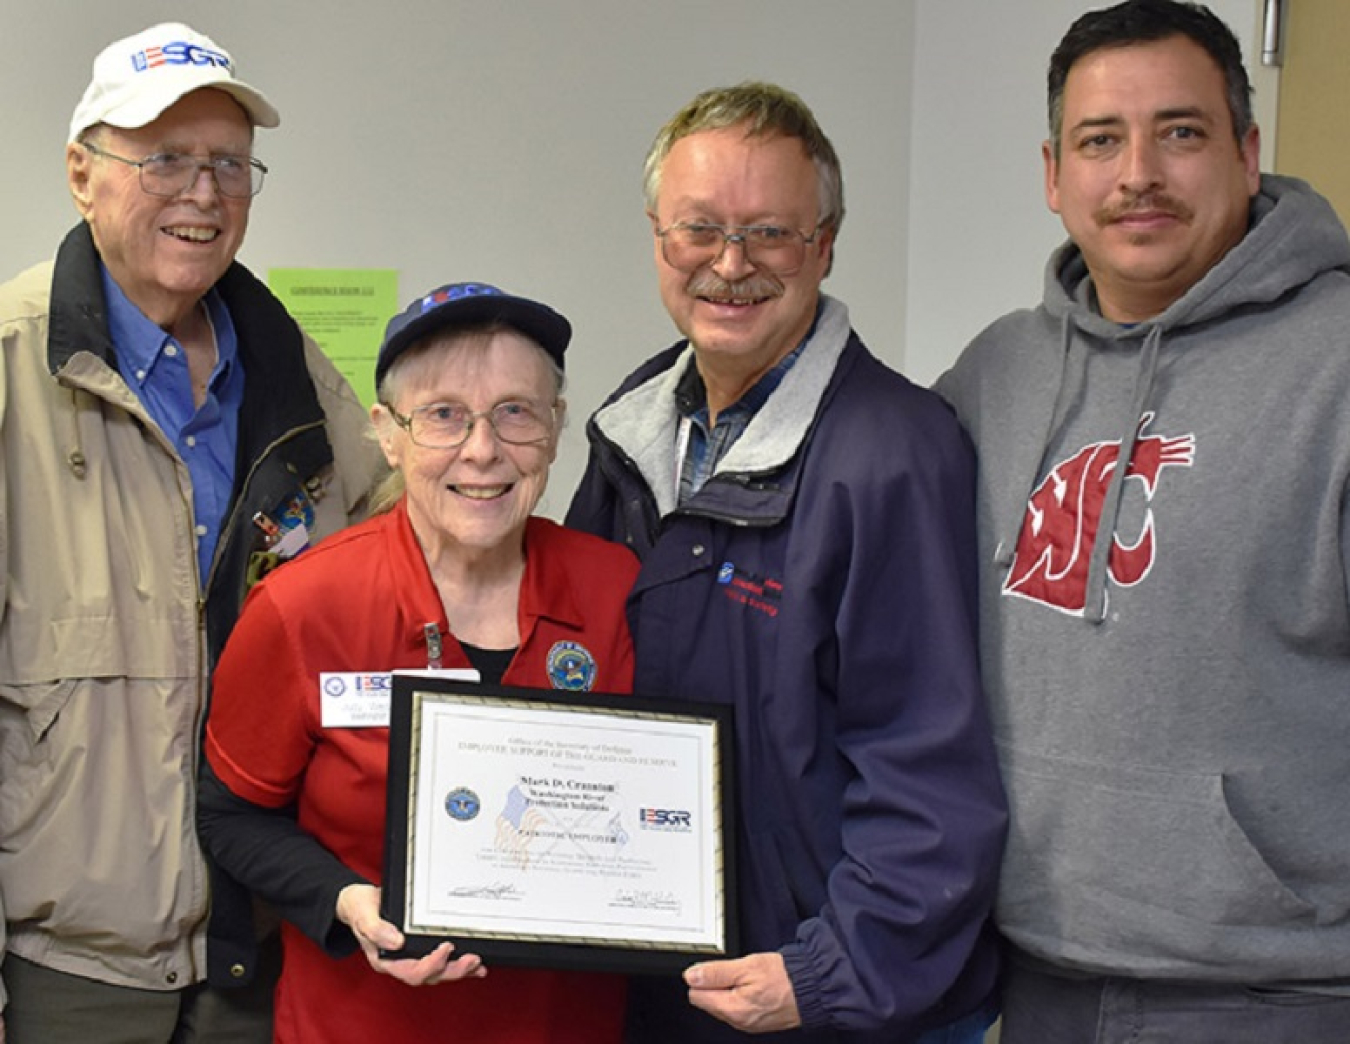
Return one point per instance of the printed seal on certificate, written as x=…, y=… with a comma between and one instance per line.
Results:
x=559, y=829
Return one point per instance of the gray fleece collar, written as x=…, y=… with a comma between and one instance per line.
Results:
x=645, y=422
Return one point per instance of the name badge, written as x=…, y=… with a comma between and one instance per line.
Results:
x=360, y=700
x=354, y=701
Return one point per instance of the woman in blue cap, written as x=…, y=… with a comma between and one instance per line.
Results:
x=456, y=571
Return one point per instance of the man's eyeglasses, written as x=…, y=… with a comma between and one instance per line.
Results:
x=170, y=174
x=446, y=425
x=689, y=246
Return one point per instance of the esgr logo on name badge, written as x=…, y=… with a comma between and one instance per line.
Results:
x=335, y=685
x=665, y=819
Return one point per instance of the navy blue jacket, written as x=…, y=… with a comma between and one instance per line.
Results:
x=823, y=582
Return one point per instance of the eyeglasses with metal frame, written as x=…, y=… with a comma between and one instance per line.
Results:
x=170, y=174
x=689, y=245
x=447, y=425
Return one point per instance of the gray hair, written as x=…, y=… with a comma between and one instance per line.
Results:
x=767, y=111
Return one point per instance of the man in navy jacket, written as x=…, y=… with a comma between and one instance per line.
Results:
x=805, y=518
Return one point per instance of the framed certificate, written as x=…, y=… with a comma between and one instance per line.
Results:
x=559, y=829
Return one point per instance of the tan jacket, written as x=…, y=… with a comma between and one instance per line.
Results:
x=105, y=638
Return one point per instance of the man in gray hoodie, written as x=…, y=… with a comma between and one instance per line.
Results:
x=1165, y=550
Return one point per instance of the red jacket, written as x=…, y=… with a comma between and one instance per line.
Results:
x=360, y=602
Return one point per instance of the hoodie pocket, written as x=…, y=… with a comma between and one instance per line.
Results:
x=1107, y=845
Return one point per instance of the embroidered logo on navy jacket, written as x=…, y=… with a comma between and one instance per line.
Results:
x=1064, y=512
x=757, y=592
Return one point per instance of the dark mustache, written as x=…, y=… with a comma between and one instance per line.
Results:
x=1156, y=202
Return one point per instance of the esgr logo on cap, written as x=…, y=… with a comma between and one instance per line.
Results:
x=456, y=292
x=178, y=53
x=186, y=60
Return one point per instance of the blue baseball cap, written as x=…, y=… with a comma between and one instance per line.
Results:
x=472, y=304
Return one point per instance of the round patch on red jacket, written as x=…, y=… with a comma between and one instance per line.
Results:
x=571, y=666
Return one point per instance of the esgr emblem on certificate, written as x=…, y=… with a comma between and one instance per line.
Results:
x=462, y=804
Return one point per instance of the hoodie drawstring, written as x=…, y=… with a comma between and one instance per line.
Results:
x=1006, y=549
x=1094, y=609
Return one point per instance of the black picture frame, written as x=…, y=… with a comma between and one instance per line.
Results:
x=411, y=692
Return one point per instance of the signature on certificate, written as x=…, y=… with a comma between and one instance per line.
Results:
x=500, y=891
x=645, y=899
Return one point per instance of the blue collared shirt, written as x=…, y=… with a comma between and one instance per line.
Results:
x=155, y=366
x=705, y=447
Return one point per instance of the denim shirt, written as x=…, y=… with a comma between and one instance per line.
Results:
x=705, y=447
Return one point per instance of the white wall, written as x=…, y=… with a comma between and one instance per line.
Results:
x=503, y=142
x=499, y=142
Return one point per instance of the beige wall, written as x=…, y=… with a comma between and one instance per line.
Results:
x=1315, y=99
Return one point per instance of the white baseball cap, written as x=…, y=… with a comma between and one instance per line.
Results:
x=137, y=78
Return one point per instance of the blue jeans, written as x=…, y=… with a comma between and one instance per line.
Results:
x=1040, y=1007
x=970, y=1030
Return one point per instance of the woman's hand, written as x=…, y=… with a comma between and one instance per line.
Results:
x=358, y=907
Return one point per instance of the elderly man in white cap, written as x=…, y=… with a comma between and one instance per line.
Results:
x=169, y=435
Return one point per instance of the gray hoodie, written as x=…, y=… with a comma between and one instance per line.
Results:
x=1172, y=704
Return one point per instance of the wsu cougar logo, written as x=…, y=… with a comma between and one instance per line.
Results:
x=1060, y=528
